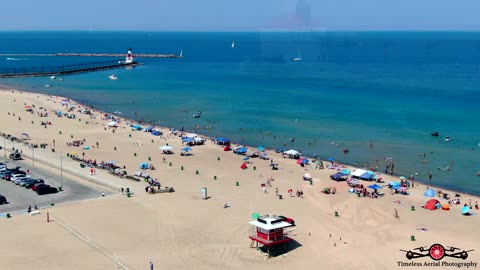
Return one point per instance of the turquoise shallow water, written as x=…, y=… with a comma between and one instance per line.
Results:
x=355, y=89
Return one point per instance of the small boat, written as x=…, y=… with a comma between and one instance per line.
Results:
x=53, y=77
x=299, y=56
x=181, y=54
x=196, y=116
x=48, y=85
x=447, y=139
x=233, y=44
x=435, y=134
x=60, y=79
x=113, y=77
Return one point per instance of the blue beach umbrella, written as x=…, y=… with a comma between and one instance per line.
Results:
x=331, y=159
x=186, y=149
x=261, y=148
x=242, y=150
x=187, y=139
x=144, y=165
x=465, y=209
x=375, y=186
x=346, y=171
x=246, y=158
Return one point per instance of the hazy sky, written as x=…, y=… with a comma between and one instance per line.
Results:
x=240, y=15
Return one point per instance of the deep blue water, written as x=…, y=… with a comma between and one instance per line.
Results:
x=353, y=88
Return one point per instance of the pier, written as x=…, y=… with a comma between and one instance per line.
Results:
x=64, y=70
x=141, y=55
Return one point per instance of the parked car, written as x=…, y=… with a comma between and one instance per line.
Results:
x=3, y=200
x=36, y=186
x=16, y=180
x=15, y=156
x=32, y=182
x=23, y=182
x=42, y=190
x=4, y=173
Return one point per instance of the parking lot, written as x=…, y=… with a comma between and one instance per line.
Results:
x=20, y=198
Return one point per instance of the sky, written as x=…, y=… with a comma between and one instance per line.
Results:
x=241, y=15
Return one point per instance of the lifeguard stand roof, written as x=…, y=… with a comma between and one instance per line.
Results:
x=270, y=223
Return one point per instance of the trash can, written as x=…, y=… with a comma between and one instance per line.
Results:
x=255, y=215
x=204, y=193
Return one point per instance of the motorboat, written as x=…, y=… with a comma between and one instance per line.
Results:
x=196, y=116
x=113, y=77
x=435, y=134
x=48, y=85
x=53, y=77
x=447, y=139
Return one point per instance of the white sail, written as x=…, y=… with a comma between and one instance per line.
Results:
x=233, y=44
x=299, y=56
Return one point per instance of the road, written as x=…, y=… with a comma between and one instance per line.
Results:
x=19, y=198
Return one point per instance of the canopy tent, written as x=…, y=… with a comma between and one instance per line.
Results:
x=136, y=127
x=307, y=176
x=357, y=173
x=375, y=186
x=367, y=176
x=338, y=176
x=166, y=148
x=222, y=141
x=192, y=135
x=429, y=193
x=431, y=204
x=261, y=148
x=148, y=129
x=292, y=152
x=240, y=150
x=144, y=165
x=198, y=139
x=346, y=171
x=156, y=133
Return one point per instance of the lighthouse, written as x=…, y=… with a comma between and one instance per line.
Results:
x=129, y=57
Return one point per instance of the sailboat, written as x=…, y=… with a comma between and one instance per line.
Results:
x=181, y=54
x=233, y=44
x=299, y=56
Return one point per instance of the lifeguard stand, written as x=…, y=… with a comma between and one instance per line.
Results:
x=270, y=232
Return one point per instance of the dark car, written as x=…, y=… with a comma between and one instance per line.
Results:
x=15, y=156
x=32, y=182
x=36, y=186
x=3, y=200
x=42, y=190
x=4, y=173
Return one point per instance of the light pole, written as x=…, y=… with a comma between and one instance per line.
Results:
x=61, y=171
x=33, y=160
x=4, y=150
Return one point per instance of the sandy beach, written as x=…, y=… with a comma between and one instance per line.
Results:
x=179, y=230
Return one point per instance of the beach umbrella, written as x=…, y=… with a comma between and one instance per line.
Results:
x=261, y=148
x=243, y=166
x=403, y=178
x=331, y=159
x=166, y=148
x=242, y=150
x=375, y=186
x=186, y=149
x=346, y=171
x=144, y=165
x=187, y=139
x=465, y=210
x=300, y=160
x=246, y=158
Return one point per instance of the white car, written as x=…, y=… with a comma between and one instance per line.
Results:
x=17, y=177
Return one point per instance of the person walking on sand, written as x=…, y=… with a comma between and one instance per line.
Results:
x=396, y=214
x=151, y=266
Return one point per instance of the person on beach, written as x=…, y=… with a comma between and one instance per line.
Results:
x=151, y=266
x=395, y=215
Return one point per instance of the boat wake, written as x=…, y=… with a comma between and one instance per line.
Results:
x=16, y=59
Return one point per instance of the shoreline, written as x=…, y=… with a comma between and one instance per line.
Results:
x=269, y=150
x=166, y=228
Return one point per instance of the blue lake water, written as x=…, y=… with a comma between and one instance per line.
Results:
x=351, y=90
